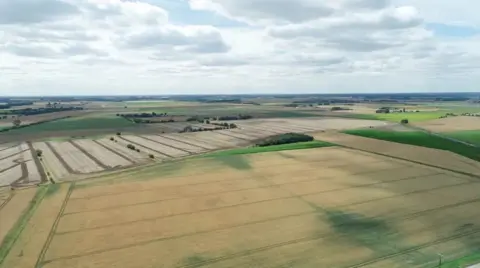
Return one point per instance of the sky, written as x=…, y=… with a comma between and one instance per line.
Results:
x=155, y=47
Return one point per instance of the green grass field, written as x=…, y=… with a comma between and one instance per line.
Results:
x=397, y=117
x=470, y=136
x=463, y=262
x=79, y=123
x=274, y=148
x=420, y=139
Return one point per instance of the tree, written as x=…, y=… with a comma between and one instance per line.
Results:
x=17, y=122
x=151, y=156
x=39, y=152
x=112, y=139
x=404, y=121
x=119, y=133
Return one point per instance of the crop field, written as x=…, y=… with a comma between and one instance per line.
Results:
x=75, y=158
x=420, y=138
x=452, y=124
x=258, y=210
x=427, y=156
x=122, y=150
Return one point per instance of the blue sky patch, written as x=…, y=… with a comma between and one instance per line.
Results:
x=451, y=30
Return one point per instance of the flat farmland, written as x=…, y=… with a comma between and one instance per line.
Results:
x=75, y=159
x=175, y=144
x=303, y=208
x=50, y=161
x=451, y=124
x=121, y=149
x=103, y=155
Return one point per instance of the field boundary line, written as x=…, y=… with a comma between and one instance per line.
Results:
x=88, y=155
x=10, y=196
x=8, y=147
x=60, y=158
x=417, y=162
x=246, y=224
x=257, y=202
x=15, y=154
x=191, y=144
x=38, y=163
x=24, y=176
x=115, y=152
x=8, y=168
x=143, y=146
x=231, y=136
x=183, y=150
x=41, y=256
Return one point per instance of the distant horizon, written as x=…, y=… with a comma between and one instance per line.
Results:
x=251, y=94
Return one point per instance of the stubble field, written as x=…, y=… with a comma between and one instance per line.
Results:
x=326, y=207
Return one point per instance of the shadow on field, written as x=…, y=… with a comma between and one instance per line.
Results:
x=374, y=234
x=239, y=162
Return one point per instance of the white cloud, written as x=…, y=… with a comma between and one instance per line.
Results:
x=301, y=45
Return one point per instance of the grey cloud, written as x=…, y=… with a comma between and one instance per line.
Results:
x=33, y=11
x=367, y=4
x=55, y=35
x=198, y=41
x=221, y=61
x=46, y=51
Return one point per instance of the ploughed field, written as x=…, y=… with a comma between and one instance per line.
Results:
x=324, y=207
x=79, y=158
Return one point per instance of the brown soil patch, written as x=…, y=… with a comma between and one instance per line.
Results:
x=11, y=212
x=450, y=124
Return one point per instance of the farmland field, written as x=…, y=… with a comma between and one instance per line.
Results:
x=270, y=209
x=419, y=138
x=470, y=136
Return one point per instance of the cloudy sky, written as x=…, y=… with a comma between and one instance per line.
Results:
x=90, y=47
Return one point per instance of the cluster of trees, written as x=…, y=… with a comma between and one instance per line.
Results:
x=35, y=111
x=337, y=108
x=148, y=121
x=132, y=147
x=285, y=139
x=143, y=115
x=235, y=117
x=200, y=129
x=225, y=125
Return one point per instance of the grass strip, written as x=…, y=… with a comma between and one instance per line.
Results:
x=419, y=138
x=462, y=262
x=273, y=148
x=470, y=136
x=17, y=229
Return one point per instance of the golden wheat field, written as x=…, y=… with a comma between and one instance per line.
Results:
x=324, y=207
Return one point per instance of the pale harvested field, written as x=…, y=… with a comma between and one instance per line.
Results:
x=309, y=124
x=301, y=208
x=101, y=154
x=10, y=213
x=123, y=150
x=188, y=140
x=9, y=152
x=451, y=124
x=231, y=140
x=176, y=144
x=438, y=158
x=240, y=135
x=164, y=149
x=205, y=138
x=51, y=162
x=76, y=159
x=11, y=175
x=32, y=169
x=143, y=149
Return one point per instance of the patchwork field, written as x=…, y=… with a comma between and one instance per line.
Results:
x=17, y=165
x=451, y=124
x=323, y=207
